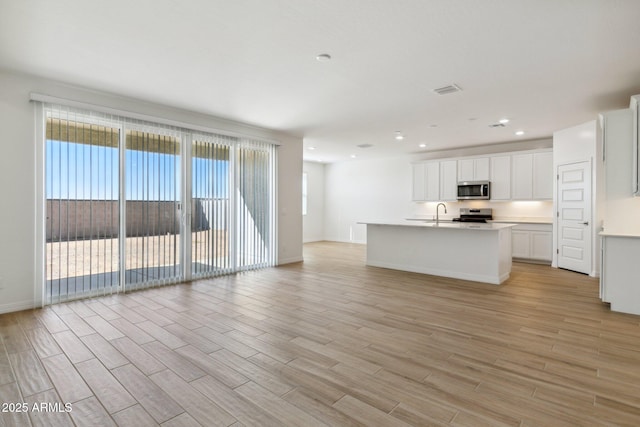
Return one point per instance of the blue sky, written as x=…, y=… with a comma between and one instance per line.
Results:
x=84, y=171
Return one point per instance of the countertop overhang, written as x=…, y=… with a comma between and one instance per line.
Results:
x=450, y=225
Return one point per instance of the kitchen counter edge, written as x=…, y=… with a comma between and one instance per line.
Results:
x=444, y=225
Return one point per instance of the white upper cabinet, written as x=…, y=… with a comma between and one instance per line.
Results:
x=473, y=169
x=426, y=182
x=543, y=176
x=522, y=177
x=500, y=178
x=513, y=176
x=532, y=176
x=432, y=189
x=448, y=180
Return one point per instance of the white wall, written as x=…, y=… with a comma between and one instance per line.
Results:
x=365, y=190
x=577, y=144
x=313, y=221
x=18, y=174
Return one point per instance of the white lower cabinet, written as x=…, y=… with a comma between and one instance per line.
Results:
x=532, y=242
x=619, y=275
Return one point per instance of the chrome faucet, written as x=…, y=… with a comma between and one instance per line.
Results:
x=438, y=211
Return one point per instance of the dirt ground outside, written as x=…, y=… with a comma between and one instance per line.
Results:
x=101, y=256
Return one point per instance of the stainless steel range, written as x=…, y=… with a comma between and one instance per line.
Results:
x=475, y=215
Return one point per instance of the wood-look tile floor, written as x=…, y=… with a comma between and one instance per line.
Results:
x=329, y=342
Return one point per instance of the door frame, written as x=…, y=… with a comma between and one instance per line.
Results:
x=592, y=202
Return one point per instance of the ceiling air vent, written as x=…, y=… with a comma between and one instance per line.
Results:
x=364, y=145
x=444, y=90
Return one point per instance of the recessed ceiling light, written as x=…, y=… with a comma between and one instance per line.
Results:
x=353, y=156
x=399, y=135
x=520, y=132
x=323, y=57
x=504, y=121
x=422, y=145
x=311, y=148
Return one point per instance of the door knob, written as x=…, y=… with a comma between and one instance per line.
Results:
x=586, y=223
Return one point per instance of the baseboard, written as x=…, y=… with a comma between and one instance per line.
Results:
x=290, y=260
x=533, y=261
x=16, y=306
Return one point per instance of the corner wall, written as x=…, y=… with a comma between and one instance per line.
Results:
x=19, y=171
x=313, y=221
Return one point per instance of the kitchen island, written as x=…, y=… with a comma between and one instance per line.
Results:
x=468, y=251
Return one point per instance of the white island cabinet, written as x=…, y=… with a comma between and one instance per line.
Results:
x=477, y=252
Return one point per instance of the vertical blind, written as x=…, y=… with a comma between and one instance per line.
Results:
x=211, y=186
x=132, y=204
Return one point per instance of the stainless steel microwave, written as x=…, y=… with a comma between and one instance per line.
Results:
x=474, y=190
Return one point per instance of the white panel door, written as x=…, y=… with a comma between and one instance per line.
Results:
x=574, y=217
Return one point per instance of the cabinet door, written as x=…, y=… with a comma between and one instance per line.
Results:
x=473, y=169
x=466, y=170
x=522, y=177
x=481, y=169
x=448, y=180
x=543, y=175
x=520, y=244
x=541, y=245
x=432, y=181
x=501, y=178
x=419, y=183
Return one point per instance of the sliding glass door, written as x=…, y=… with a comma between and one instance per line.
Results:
x=255, y=242
x=153, y=207
x=132, y=204
x=82, y=215
x=210, y=205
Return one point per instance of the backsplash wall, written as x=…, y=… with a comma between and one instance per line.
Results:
x=507, y=209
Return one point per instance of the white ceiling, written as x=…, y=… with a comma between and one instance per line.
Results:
x=544, y=64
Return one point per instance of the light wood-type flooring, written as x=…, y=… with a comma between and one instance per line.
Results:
x=329, y=342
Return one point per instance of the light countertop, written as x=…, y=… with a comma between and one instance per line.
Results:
x=443, y=225
x=511, y=220
x=619, y=234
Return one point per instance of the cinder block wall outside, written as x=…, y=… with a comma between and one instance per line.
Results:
x=69, y=220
